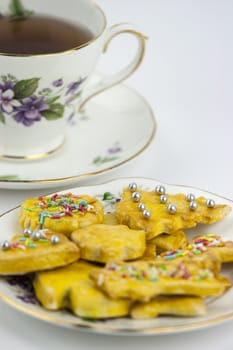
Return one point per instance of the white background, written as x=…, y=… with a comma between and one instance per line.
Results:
x=187, y=77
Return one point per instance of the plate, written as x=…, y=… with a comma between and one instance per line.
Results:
x=17, y=292
x=115, y=127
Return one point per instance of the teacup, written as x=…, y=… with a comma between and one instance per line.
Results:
x=39, y=91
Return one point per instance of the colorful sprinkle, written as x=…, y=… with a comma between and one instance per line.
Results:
x=29, y=209
x=196, y=251
x=21, y=246
x=22, y=239
x=100, y=279
x=68, y=204
x=31, y=245
x=15, y=244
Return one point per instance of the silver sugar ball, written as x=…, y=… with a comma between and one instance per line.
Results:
x=36, y=235
x=5, y=245
x=210, y=203
x=190, y=197
x=163, y=198
x=141, y=206
x=193, y=205
x=27, y=232
x=55, y=239
x=171, y=208
x=159, y=189
x=132, y=186
x=136, y=196
x=146, y=214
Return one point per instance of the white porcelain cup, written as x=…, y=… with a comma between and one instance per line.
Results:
x=39, y=92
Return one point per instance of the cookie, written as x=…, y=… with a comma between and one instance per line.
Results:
x=52, y=287
x=216, y=245
x=144, y=210
x=142, y=280
x=88, y=301
x=110, y=219
x=23, y=255
x=176, y=306
x=168, y=242
x=70, y=287
x=150, y=252
x=103, y=243
x=165, y=243
x=61, y=213
x=202, y=259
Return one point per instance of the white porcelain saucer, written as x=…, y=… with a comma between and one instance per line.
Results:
x=115, y=127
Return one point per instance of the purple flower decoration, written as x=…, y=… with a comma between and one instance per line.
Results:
x=28, y=298
x=58, y=83
x=114, y=150
x=7, y=101
x=73, y=87
x=24, y=288
x=7, y=85
x=30, y=110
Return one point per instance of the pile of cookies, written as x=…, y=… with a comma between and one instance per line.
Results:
x=135, y=261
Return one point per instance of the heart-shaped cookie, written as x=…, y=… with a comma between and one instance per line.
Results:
x=62, y=213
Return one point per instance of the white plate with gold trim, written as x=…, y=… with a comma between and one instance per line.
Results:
x=17, y=292
x=115, y=127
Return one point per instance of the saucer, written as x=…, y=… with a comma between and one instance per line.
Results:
x=114, y=128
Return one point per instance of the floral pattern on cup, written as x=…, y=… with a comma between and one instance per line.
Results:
x=27, y=104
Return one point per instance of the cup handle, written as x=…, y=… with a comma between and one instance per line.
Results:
x=111, y=80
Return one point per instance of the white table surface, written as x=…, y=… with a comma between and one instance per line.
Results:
x=187, y=77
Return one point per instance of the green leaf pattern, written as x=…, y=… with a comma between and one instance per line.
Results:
x=17, y=11
x=113, y=153
x=25, y=88
x=2, y=118
x=56, y=111
x=9, y=177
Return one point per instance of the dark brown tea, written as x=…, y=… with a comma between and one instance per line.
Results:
x=40, y=35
